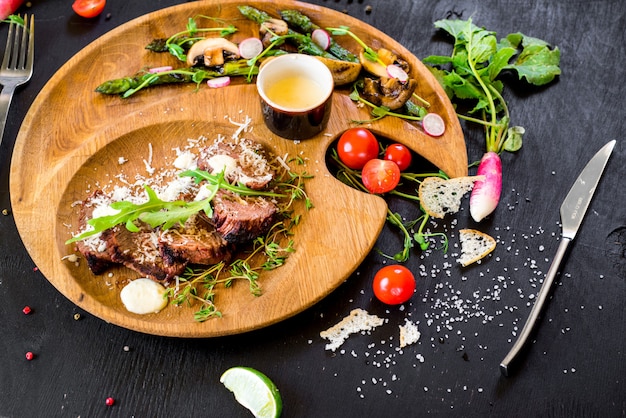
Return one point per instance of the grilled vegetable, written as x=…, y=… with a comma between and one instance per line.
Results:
x=296, y=19
x=127, y=86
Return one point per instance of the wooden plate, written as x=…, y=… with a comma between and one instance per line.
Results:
x=72, y=137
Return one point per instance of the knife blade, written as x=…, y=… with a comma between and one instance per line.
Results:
x=572, y=213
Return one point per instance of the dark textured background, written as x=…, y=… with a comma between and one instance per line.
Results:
x=468, y=318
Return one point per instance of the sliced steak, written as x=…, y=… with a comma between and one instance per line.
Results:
x=94, y=249
x=242, y=219
x=140, y=251
x=197, y=241
x=242, y=161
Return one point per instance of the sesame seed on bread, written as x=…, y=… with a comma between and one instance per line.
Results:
x=439, y=197
x=475, y=245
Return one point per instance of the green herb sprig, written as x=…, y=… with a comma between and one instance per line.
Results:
x=421, y=236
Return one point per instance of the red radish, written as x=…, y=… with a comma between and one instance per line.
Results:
x=393, y=71
x=218, y=82
x=8, y=7
x=156, y=70
x=486, y=193
x=250, y=48
x=433, y=124
x=321, y=38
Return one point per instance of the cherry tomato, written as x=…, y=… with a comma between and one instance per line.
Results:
x=88, y=8
x=394, y=284
x=399, y=154
x=357, y=146
x=380, y=176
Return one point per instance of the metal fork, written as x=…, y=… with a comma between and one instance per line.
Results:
x=17, y=65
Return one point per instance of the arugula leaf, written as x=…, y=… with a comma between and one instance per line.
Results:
x=155, y=212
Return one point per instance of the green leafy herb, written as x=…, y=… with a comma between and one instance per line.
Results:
x=155, y=212
x=471, y=73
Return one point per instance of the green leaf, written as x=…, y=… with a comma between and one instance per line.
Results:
x=499, y=61
x=463, y=88
x=538, y=64
x=513, y=141
x=459, y=29
x=483, y=46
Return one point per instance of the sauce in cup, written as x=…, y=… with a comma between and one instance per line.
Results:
x=296, y=95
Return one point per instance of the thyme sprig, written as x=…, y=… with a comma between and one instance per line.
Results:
x=199, y=285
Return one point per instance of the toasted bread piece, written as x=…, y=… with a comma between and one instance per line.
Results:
x=409, y=333
x=474, y=246
x=440, y=197
x=359, y=320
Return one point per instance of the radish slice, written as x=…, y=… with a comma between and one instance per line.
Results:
x=156, y=70
x=218, y=82
x=433, y=124
x=393, y=71
x=322, y=38
x=250, y=48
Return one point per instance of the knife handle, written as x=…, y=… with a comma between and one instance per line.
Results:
x=505, y=365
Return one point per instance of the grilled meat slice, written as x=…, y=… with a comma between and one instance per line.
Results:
x=94, y=249
x=242, y=219
x=140, y=251
x=197, y=241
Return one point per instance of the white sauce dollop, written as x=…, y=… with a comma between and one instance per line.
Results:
x=143, y=296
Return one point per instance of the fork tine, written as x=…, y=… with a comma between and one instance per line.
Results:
x=15, y=52
x=31, y=44
x=9, y=46
x=21, y=57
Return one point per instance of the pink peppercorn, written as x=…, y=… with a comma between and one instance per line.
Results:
x=26, y=310
x=109, y=401
x=30, y=355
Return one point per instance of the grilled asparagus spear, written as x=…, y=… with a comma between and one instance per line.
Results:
x=299, y=20
x=127, y=86
x=304, y=43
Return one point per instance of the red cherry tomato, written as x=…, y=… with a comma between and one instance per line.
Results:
x=357, y=146
x=394, y=285
x=380, y=176
x=399, y=154
x=88, y=8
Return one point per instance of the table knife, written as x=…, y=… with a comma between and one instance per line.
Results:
x=573, y=210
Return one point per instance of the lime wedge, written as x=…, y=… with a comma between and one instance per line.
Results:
x=253, y=390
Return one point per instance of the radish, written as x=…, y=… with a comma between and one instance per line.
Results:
x=393, y=71
x=433, y=124
x=218, y=82
x=156, y=70
x=321, y=38
x=8, y=7
x=250, y=48
x=486, y=193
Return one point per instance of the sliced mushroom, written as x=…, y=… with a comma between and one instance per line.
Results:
x=344, y=72
x=211, y=51
x=388, y=92
x=272, y=27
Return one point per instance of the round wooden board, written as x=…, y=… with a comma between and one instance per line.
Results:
x=72, y=138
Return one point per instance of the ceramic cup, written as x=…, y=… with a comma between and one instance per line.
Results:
x=296, y=95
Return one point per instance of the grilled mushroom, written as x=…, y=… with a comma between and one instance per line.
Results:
x=388, y=92
x=272, y=27
x=211, y=51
